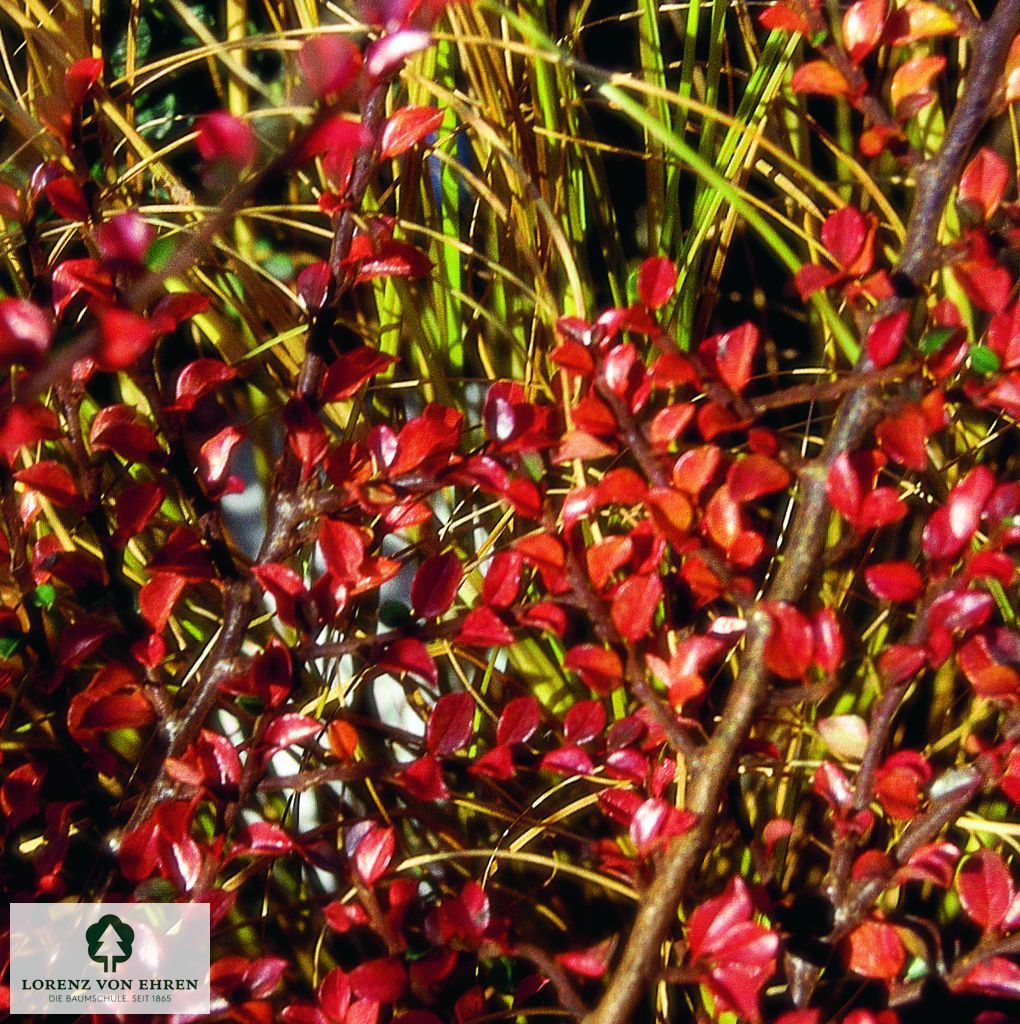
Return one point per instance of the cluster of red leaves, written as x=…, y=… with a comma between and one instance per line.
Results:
x=639, y=503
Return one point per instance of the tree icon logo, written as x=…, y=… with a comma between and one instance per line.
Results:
x=110, y=941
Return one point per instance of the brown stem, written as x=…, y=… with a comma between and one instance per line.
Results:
x=639, y=962
x=565, y=991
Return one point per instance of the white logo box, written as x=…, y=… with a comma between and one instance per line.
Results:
x=122, y=958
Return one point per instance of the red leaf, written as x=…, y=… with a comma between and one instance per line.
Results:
x=382, y=980
x=124, y=239
x=790, y=646
x=894, y=581
x=885, y=337
x=423, y=779
x=951, y=527
x=407, y=127
x=568, y=760
x=828, y=641
x=198, y=378
x=755, y=476
x=290, y=729
x=985, y=888
x=584, y=721
x=52, y=481
x=343, y=548
x=72, y=277
x=221, y=136
x=335, y=989
x=157, y=597
x=983, y=182
x=737, y=955
x=903, y=436
x=634, y=606
x=989, y=677
x=862, y=28
x=124, y=337
x=519, y=721
x=503, y=579
x=117, y=428
x=335, y=134
x=374, y=853
x=80, y=78
x=408, y=654
x=784, y=17
x=349, y=371
x=450, y=724
x=482, y=627
x=25, y=332
x=67, y=199
x=592, y=962
x=598, y=667
x=435, y=585
x=113, y=699
x=732, y=354
x=214, y=462
x=329, y=63
x=909, y=91
x=875, y=951
x=267, y=838
x=656, y=281
x=933, y=862
x=495, y=763
x=849, y=236
x=819, y=76
x=996, y=977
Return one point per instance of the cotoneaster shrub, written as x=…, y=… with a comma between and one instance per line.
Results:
x=638, y=684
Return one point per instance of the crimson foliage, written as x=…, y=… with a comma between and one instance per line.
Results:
x=695, y=665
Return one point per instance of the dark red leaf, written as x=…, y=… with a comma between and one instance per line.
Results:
x=985, y=888
x=450, y=724
x=519, y=720
x=885, y=338
x=382, y=980
x=435, y=585
x=374, y=853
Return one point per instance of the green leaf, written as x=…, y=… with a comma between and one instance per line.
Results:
x=935, y=340
x=395, y=614
x=8, y=645
x=45, y=595
x=983, y=360
x=158, y=117
x=143, y=44
x=160, y=252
